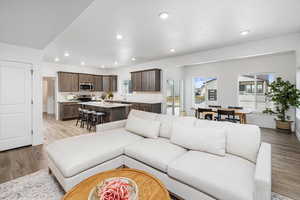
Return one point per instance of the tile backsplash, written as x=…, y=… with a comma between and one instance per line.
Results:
x=135, y=96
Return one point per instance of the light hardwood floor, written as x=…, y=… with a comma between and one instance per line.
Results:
x=285, y=156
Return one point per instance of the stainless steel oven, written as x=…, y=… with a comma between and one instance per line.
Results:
x=86, y=86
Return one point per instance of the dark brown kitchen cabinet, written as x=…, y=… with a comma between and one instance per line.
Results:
x=68, y=110
x=136, y=79
x=153, y=107
x=148, y=107
x=147, y=80
x=114, y=83
x=110, y=83
x=68, y=82
x=98, y=83
x=86, y=78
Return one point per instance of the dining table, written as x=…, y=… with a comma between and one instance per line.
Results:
x=241, y=113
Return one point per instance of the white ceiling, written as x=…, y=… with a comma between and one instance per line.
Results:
x=193, y=25
x=35, y=23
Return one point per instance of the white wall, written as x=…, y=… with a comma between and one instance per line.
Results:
x=298, y=86
x=31, y=56
x=227, y=73
x=51, y=69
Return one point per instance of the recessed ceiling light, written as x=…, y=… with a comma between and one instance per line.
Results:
x=245, y=32
x=66, y=54
x=82, y=63
x=133, y=59
x=119, y=37
x=116, y=62
x=172, y=50
x=103, y=66
x=163, y=15
x=56, y=59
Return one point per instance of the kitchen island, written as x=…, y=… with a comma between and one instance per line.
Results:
x=113, y=111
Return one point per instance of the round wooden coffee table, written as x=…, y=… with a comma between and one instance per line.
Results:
x=150, y=188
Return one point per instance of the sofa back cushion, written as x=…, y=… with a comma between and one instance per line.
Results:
x=243, y=140
x=166, y=124
x=147, y=128
x=143, y=114
x=210, y=140
x=211, y=124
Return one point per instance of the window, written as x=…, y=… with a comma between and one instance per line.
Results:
x=205, y=91
x=252, y=89
x=127, y=87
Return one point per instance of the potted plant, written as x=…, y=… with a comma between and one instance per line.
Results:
x=110, y=95
x=284, y=95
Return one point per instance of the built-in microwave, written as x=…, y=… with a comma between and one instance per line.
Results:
x=86, y=86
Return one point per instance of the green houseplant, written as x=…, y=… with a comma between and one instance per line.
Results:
x=284, y=95
x=110, y=95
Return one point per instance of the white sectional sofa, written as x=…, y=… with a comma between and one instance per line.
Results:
x=195, y=159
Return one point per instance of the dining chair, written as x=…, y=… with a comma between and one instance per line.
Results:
x=235, y=107
x=214, y=106
x=208, y=116
x=229, y=115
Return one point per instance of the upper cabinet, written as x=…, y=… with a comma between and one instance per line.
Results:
x=147, y=80
x=110, y=83
x=114, y=83
x=86, y=78
x=136, y=79
x=68, y=82
x=98, y=83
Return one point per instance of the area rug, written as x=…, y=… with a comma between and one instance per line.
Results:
x=42, y=186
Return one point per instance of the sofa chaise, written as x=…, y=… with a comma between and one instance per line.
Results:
x=195, y=159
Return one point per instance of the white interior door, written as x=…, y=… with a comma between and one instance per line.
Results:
x=15, y=105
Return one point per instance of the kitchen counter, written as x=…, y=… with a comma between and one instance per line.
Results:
x=68, y=101
x=113, y=111
x=137, y=101
x=148, y=106
x=104, y=105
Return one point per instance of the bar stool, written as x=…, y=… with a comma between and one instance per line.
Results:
x=90, y=115
x=85, y=118
x=80, y=110
x=100, y=117
x=97, y=118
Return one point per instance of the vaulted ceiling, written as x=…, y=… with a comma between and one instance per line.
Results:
x=193, y=25
x=35, y=23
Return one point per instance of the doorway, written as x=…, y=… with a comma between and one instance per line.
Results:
x=174, y=99
x=49, y=99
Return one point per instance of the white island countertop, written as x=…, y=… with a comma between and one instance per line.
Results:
x=105, y=105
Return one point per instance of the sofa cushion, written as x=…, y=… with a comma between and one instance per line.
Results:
x=157, y=153
x=143, y=114
x=244, y=141
x=146, y=128
x=166, y=123
x=210, y=140
x=186, y=121
x=76, y=154
x=227, y=178
x=211, y=124
x=241, y=139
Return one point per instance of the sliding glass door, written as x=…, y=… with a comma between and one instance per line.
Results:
x=174, y=97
